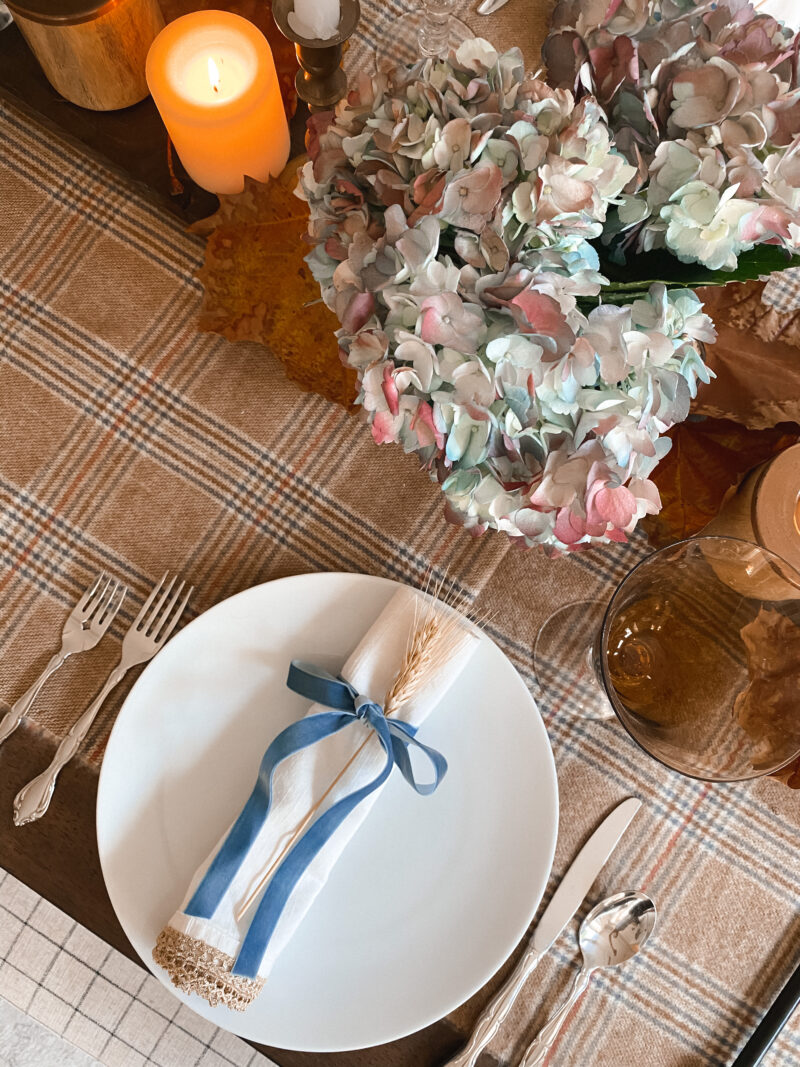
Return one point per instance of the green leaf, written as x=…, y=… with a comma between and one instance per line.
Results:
x=661, y=266
x=631, y=281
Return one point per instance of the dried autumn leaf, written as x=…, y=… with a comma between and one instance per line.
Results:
x=707, y=458
x=258, y=287
x=755, y=359
x=767, y=708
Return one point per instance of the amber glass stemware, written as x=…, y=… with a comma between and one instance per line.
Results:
x=697, y=654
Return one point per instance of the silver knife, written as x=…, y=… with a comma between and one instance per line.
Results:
x=566, y=900
x=488, y=7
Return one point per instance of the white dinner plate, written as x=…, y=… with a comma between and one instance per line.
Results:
x=432, y=893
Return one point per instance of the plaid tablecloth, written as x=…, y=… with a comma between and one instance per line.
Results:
x=131, y=443
x=782, y=290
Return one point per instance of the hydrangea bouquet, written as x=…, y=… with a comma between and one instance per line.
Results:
x=461, y=215
x=704, y=100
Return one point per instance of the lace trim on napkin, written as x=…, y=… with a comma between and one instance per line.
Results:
x=195, y=967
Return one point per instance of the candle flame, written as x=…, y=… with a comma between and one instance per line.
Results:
x=213, y=74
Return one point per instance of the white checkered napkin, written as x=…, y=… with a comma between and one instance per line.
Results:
x=61, y=975
x=782, y=291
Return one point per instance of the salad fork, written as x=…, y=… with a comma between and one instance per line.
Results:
x=146, y=635
x=85, y=625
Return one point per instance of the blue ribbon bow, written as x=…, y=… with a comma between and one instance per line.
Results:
x=395, y=737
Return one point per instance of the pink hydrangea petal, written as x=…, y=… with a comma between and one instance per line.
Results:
x=542, y=312
x=617, y=506
x=764, y=220
x=568, y=528
x=617, y=535
x=384, y=429
x=358, y=312
x=390, y=389
x=425, y=428
x=646, y=492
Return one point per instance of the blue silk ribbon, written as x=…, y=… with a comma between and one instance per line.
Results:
x=348, y=707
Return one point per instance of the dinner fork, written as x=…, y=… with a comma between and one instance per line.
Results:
x=85, y=625
x=146, y=635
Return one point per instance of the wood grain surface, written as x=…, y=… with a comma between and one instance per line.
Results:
x=98, y=63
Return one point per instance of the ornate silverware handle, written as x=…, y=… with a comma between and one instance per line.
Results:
x=33, y=800
x=539, y=1049
x=21, y=707
x=492, y=1017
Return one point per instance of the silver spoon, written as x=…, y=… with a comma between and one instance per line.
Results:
x=610, y=934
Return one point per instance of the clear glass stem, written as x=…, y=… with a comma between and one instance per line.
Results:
x=434, y=33
x=431, y=30
x=566, y=660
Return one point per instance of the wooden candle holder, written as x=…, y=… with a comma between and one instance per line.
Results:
x=321, y=82
x=91, y=51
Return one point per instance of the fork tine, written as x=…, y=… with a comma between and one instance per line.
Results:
x=112, y=604
x=99, y=613
x=89, y=593
x=170, y=604
x=163, y=617
x=169, y=622
x=145, y=607
x=153, y=615
x=98, y=601
x=122, y=594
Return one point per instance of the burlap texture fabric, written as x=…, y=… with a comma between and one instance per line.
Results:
x=519, y=24
x=131, y=443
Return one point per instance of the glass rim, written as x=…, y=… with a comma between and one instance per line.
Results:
x=609, y=689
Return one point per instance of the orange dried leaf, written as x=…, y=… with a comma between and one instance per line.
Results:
x=768, y=706
x=258, y=287
x=755, y=359
x=707, y=459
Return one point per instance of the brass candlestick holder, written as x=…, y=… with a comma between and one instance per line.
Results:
x=321, y=82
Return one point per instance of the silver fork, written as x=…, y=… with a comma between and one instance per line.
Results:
x=86, y=624
x=146, y=635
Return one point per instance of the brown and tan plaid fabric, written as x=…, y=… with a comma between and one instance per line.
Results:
x=131, y=443
x=721, y=862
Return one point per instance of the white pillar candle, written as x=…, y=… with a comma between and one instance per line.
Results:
x=316, y=20
x=213, y=80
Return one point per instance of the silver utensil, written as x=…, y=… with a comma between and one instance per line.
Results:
x=777, y=1017
x=85, y=625
x=488, y=7
x=610, y=935
x=145, y=636
x=564, y=903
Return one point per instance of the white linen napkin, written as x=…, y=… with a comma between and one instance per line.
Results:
x=298, y=785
